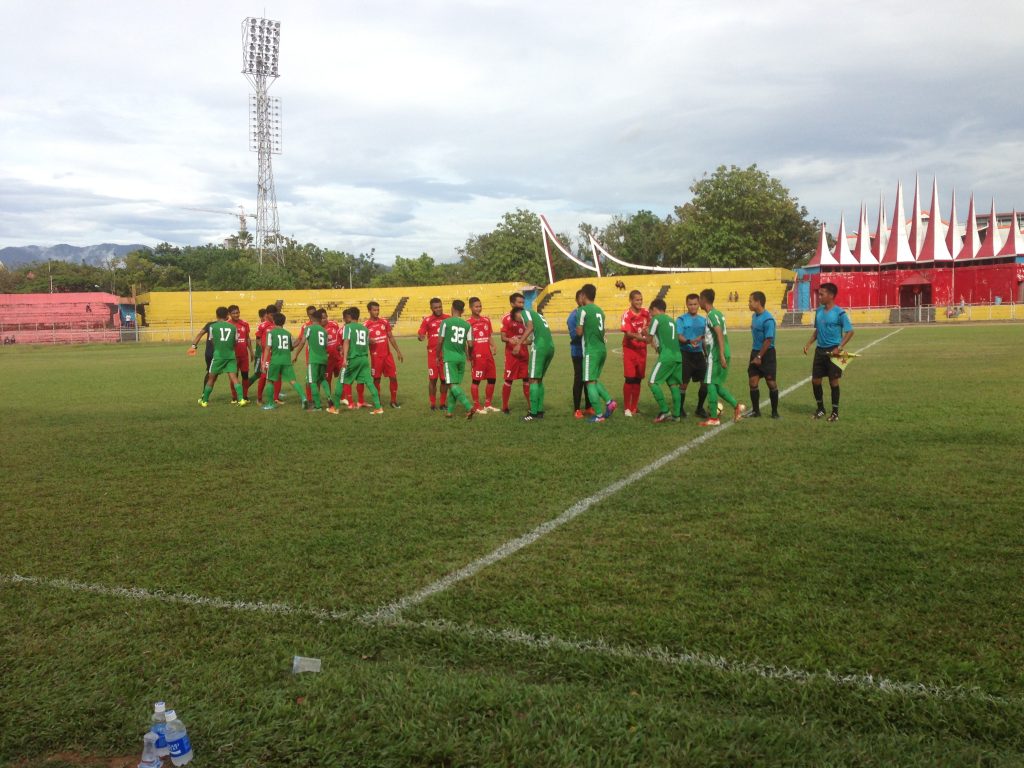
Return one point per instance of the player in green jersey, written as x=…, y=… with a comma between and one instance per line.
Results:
x=355, y=351
x=542, y=352
x=314, y=339
x=223, y=335
x=669, y=368
x=716, y=343
x=454, y=345
x=279, y=345
x=591, y=330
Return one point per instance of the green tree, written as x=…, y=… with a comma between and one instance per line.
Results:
x=511, y=251
x=741, y=217
x=642, y=238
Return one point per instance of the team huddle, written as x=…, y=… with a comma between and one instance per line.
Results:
x=345, y=363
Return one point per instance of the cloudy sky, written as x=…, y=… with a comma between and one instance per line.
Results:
x=410, y=126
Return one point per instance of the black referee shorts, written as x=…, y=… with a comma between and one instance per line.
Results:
x=695, y=366
x=768, y=366
x=823, y=367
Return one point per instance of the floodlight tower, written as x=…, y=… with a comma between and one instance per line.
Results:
x=261, y=42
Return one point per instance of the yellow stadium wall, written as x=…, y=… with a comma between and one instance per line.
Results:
x=169, y=318
x=613, y=300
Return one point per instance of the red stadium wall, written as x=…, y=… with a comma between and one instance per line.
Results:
x=973, y=283
x=28, y=318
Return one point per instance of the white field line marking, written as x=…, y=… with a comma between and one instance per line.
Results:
x=393, y=610
x=545, y=643
x=139, y=593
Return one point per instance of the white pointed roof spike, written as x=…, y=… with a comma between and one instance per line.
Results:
x=916, y=236
x=842, y=253
x=862, y=250
x=993, y=244
x=822, y=257
x=1014, y=245
x=934, y=247
x=953, y=240
x=897, y=250
x=972, y=242
x=882, y=232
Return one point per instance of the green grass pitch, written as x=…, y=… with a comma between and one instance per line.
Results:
x=784, y=593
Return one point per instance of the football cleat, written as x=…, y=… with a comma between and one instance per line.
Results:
x=447, y=415
x=344, y=402
x=203, y=403
x=738, y=411
x=578, y=414
x=314, y=409
x=834, y=416
x=492, y=409
x=597, y=420
x=395, y=405
x=364, y=405
x=377, y=412
x=242, y=403
x=818, y=414
x=752, y=415
x=529, y=417
x=279, y=402
x=507, y=411
x=590, y=412
x=676, y=418
x=775, y=415
x=481, y=411
x=710, y=423
x=332, y=409
x=627, y=413
x=610, y=409
x=662, y=417
x=470, y=413
x=700, y=413
x=269, y=407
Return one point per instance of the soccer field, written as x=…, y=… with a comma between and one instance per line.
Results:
x=494, y=592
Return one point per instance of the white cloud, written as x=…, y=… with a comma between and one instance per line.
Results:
x=410, y=126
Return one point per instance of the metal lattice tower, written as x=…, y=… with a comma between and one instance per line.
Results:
x=261, y=42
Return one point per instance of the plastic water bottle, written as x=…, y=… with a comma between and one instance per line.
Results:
x=177, y=739
x=150, y=759
x=159, y=727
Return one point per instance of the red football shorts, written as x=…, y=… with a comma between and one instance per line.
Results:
x=383, y=366
x=242, y=358
x=634, y=363
x=516, y=367
x=433, y=367
x=484, y=368
x=334, y=362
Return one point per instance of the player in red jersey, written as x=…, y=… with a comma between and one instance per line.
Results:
x=517, y=354
x=484, y=350
x=429, y=330
x=381, y=362
x=310, y=312
x=333, y=349
x=243, y=346
x=635, y=322
x=262, y=356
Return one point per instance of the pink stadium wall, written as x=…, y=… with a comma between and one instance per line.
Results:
x=28, y=318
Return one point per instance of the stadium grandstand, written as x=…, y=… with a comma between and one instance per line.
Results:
x=177, y=316
x=732, y=287
x=65, y=318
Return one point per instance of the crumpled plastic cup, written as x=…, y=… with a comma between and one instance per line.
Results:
x=305, y=664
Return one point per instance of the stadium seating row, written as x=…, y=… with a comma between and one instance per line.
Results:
x=59, y=318
x=406, y=305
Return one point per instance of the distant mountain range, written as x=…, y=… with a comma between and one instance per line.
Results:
x=94, y=255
